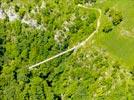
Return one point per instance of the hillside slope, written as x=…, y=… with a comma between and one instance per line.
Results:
x=102, y=68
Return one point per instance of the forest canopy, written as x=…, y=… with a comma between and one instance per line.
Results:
x=33, y=31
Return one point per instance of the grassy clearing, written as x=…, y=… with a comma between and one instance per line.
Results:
x=118, y=46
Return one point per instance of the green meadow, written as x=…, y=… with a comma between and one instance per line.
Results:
x=119, y=42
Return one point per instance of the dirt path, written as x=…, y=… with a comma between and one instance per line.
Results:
x=76, y=46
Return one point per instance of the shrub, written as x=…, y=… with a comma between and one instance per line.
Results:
x=116, y=17
x=107, y=28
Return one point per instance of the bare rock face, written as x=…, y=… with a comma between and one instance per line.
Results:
x=43, y=5
x=60, y=36
x=30, y=22
x=2, y=14
x=9, y=11
x=11, y=14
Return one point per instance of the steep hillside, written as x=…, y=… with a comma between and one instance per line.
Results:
x=86, y=47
